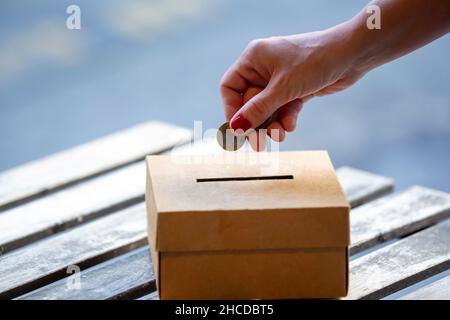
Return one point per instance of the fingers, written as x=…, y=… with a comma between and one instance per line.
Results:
x=231, y=88
x=276, y=131
x=258, y=109
x=288, y=114
x=235, y=82
x=257, y=140
x=250, y=93
x=285, y=119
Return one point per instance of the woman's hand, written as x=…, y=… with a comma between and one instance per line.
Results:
x=288, y=71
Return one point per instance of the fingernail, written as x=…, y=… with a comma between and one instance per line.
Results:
x=240, y=123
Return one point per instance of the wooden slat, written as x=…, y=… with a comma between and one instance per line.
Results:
x=369, y=237
x=123, y=277
x=438, y=290
x=115, y=190
x=361, y=186
x=396, y=216
x=68, y=167
x=99, y=196
x=66, y=208
x=151, y=296
x=401, y=264
x=119, y=270
x=46, y=261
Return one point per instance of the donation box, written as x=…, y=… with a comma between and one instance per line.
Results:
x=271, y=225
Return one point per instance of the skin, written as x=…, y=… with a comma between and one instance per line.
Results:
x=277, y=75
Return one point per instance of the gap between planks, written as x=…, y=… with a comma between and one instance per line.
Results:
x=428, y=214
x=122, y=188
x=401, y=264
x=437, y=290
x=41, y=177
x=50, y=247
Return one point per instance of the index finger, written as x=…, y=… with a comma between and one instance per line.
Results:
x=232, y=86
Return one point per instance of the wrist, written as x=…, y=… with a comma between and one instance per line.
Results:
x=351, y=43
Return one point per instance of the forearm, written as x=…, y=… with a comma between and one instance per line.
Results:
x=293, y=69
x=406, y=25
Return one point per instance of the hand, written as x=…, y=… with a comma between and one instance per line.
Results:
x=289, y=71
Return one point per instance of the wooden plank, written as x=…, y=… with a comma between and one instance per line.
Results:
x=77, y=164
x=361, y=186
x=438, y=290
x=151, y=296
x=396, y=216
x=72, y=206
x=47, y=260
x=401, y=264
x=428, y=213
x=118, y=189
x=123, y=277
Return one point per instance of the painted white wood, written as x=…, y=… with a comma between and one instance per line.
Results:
x=372, y=276
x=361, y=186
x=44, y=216
x=122, y=187
x=397, y=215
x=65, y=168
x=401, y=264
x=120, y=277
x=151, y=296
x=438, y=290
x=47, y=260
x=388, y=204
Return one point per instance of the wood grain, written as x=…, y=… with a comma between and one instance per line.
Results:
x=123, y=277
x=116, y=190
x=401, y=264
x=151, y=296
x=438, y=290
x=69, y=207
x=396, y=216
x=405, y=199
x=77, y=164
x=47, y=260
x=361, y=186
x=129, y=275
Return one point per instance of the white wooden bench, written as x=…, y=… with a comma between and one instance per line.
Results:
x=84, y=207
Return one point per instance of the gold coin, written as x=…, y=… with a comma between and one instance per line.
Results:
x=227, y=139
x=231, y=142
x=265, y=124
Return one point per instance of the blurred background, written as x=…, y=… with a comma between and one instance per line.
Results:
x=134, y=61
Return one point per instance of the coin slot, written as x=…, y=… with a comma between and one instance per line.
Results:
x=280, y=177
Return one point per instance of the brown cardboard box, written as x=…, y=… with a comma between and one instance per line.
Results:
x=268, y=226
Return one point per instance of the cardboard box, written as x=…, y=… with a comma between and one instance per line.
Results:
x=270, y=226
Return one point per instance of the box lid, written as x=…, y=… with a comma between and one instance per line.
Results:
x=240, y=201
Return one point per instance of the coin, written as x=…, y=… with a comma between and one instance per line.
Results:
x=227, y=139
x=265, y=124
x=231, y=142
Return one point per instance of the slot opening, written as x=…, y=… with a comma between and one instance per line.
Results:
x=280, y=177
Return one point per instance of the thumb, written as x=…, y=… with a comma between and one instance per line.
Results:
x=259, y=105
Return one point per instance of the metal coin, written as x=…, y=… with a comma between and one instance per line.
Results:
x=265, y=124
x=227, y=140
